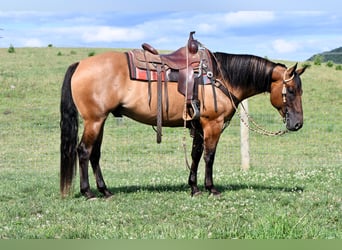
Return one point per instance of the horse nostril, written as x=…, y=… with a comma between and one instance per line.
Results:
x=298, y=126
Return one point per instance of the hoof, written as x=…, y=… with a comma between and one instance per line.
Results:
x=92, y=199
x=109, y=197
x=107, y=194
x=88, y=195
x=215, y=194
x=194, y=194
x=195, y=191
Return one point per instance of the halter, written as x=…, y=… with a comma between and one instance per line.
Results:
x=258, y=129
x=284, y=90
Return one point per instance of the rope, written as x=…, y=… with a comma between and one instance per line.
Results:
x=185, y=112
x=258, y=128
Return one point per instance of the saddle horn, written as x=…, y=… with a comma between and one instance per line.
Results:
x=192, y=43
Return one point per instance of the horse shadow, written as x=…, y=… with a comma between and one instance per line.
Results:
x=185, y=188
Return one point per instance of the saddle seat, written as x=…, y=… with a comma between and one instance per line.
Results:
x=180, y=60
x=176, y=60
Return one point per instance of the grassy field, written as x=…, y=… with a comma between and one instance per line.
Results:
x=292, y=191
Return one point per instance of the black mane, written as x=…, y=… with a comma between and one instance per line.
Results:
x=245, y=71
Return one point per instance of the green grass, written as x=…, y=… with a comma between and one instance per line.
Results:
x=292, y=191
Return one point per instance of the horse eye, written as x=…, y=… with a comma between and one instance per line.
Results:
x=291, y=90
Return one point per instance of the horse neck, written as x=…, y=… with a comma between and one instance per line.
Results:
x=246, y=75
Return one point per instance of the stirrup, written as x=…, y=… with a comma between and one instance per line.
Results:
x=193, y=110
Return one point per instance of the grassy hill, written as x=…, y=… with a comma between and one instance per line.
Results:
x=334, y=55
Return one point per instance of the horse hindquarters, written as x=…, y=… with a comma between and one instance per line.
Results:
x=89, y=147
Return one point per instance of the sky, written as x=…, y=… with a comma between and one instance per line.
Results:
x=289, y=30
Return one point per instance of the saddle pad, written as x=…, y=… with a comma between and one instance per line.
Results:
x=137, y=73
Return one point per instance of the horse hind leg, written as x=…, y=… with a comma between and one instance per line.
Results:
x=91, y=140
x=83, y=156
x=95, y=163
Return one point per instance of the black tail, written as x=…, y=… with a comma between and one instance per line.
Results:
x=69, y=134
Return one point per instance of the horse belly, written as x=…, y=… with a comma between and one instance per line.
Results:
x=137, y=107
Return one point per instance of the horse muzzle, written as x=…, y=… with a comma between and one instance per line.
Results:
x=293, y=123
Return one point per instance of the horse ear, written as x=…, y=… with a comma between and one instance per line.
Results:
x=292, y=69
x=301, y=71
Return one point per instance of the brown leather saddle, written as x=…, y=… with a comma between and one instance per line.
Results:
x=183, y=66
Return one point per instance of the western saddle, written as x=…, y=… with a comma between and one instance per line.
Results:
x=187, y=66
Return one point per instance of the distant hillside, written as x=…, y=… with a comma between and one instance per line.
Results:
x=334, y=55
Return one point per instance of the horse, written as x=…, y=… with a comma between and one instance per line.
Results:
x=100, y=85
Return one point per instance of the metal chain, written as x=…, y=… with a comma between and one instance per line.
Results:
x=258, y=128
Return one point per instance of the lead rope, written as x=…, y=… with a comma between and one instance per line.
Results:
x=184, y=110
x=258, y=129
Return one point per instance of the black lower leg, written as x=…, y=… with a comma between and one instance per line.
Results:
x=95, y=163
x=83, y=155
x=197, y=150
x=208, y=181
x=100, y=183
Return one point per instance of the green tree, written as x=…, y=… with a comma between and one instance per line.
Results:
x=318, y=59
x=11, y=49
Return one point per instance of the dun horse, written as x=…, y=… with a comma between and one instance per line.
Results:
x=101, y=85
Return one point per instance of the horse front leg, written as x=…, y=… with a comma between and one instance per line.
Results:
x=209, y=157
x=211, y=137
x=196, y=154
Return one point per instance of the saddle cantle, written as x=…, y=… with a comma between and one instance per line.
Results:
x=180, y=66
